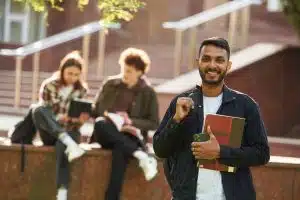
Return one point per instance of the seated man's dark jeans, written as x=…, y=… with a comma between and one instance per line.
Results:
x=122, y=146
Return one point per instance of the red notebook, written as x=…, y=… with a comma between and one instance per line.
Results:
x=228, y=131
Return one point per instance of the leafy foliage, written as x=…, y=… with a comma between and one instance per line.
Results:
x=292, y=10
x=112, y=10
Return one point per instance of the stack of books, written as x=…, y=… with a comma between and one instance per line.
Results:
x=228, y=131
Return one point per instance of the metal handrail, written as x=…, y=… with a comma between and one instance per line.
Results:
x=210, y=14
x=57, y=39
x=84, y=31
x=190, y=23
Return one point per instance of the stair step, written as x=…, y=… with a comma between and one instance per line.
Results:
x=11, y=94
x=9, y=75
x=10, y=102
x=7, y=90
x=27, y=94
x=28, y=81
x=28, y=87
x=10, y=110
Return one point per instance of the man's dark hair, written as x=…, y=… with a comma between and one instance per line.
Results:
x=136, y=58
x=216, y=41
x=136, y=61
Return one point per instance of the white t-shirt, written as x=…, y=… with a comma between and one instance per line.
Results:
x=64, y=92
x=209, y=182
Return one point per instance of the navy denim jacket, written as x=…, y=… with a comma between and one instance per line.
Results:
x=172, y=141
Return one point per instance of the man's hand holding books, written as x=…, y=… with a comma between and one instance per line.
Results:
x=209, y=149
x=217, y=130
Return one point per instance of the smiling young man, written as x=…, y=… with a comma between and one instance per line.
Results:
x=173, y=139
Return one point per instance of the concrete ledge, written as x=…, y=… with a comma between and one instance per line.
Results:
x=90, y=176
x=282, y=161
x=284, y=146
x=280, y=140
x=279, y=179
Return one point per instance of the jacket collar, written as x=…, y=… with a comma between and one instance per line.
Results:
x=228, y=94
x=142, y=83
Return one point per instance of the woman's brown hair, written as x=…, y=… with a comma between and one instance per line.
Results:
x=72, y=59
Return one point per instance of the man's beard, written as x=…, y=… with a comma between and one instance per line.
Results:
x=212, y=82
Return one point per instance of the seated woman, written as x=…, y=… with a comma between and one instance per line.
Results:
x=130, y=96
x=51, y=119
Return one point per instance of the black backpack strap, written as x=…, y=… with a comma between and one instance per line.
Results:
x=23, y=156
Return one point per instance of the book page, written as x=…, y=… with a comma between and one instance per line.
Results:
x=118, y=120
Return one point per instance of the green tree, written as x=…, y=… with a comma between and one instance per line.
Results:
x=111, y=10
x=291, y=8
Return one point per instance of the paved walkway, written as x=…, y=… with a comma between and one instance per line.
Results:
x=8, y=121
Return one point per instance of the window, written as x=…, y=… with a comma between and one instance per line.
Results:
x=19, y=24
x=1, y=20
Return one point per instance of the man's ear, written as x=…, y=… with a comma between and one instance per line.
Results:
x=229, y=66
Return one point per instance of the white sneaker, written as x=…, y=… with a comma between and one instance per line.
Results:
x=62, y=194
x=149, y=167
x=74, y=152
